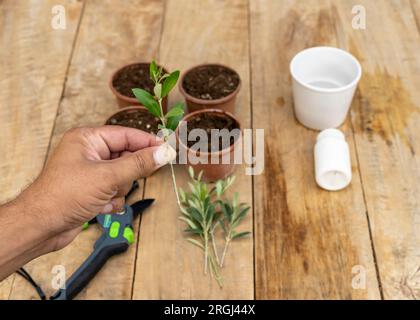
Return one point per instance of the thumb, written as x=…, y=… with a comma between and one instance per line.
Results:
x=143, y=163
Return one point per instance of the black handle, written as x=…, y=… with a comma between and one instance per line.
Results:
x=88, y=270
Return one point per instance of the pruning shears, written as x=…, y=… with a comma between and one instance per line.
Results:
x=117, y=236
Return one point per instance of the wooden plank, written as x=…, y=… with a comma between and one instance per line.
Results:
x=33, y=65
x=386, y=122
x=168, y=267
x=110, y=35
x=307, y=240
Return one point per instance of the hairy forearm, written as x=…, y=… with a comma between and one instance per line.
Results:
x=23, y=233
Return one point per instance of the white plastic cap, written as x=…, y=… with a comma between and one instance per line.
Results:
x=332, y=160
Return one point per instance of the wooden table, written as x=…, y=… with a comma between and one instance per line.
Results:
x=362, y=242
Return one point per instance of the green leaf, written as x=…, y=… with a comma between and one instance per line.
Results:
x=173, y=123
x=194, y=231
x=185, y=212
x=195, y=214
x=219, y=188
x=229, y=208
x=223, y=226
x=176, y=111
x=211, y=214
x=153, y=69
x=164, y=76
x=158, y=90
x=189, y=222
x=194, y=204
x=147, y=100
x=174, y=116
x=240, y=216
x=191, y=173
x=225, y=211
x=169, y=83
x=235, y=199
x=228, y=182
x=182, y=194
x=190, y=185
x=195, y=242
x=240, y=235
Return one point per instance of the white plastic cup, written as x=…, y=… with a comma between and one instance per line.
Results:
x=324, y=80
x=332, y=160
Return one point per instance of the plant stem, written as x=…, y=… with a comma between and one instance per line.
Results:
x=162, y=119
x=214, y=247
x=175, y=185
x=228, y=239
x=206, y=252
x=216, y=272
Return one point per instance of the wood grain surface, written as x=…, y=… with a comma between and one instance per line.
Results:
x=306, y=242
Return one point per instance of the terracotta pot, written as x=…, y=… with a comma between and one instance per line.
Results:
x=126, y=101
x=217, y=171
x=194, y=104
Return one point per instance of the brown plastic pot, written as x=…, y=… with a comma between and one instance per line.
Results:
x=211, y=172
x=194, y=104
x=126, y=101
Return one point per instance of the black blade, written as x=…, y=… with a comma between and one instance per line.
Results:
x=139, y=206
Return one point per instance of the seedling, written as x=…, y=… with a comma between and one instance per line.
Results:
x=163, y=84
x=233, y=214
x=203, y=210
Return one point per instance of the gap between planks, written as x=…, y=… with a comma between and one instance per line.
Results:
x=251, y=100
x=372, y=244
x=413, y=10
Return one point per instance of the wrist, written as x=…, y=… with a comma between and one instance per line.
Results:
x=21, y=231
x=37, y=211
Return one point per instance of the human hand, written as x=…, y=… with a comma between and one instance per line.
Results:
x=90, y=172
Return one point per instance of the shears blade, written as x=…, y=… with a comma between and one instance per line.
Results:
x=139, y=206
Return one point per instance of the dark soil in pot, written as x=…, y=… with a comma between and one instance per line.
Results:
x=208, y=121
x=210, y=86
x=133, y=76
x=135, y=117
x=210, y=82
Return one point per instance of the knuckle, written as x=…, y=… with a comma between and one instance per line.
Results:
x=72, y=132
x=75, y=133
x=140, y=162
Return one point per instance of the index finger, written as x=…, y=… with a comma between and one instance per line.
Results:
x=119, y=139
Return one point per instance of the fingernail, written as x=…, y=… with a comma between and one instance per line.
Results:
x=107, y=208
x=117, y=206
x=164, y=154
